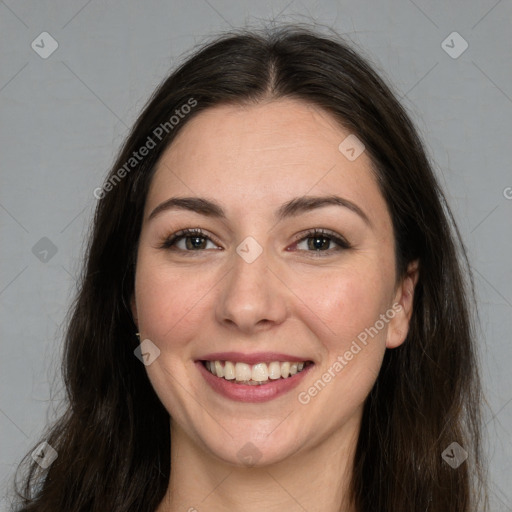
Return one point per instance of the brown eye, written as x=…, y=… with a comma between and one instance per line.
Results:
x=322, y=241
x=195, y=242
x=188, y=240
x=318, y=243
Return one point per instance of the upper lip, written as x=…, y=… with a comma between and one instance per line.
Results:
x=257, y=357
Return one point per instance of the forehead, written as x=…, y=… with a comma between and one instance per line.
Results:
x=257, y=156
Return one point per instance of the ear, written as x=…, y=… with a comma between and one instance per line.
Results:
x=398, y=326
x=133, y=307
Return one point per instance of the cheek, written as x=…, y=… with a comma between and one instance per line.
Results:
x=350, y=306
x=345, y=308
x=345, y=302
x=171, y=306
x=170, y=302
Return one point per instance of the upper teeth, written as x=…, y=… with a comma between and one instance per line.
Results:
x=259, y=372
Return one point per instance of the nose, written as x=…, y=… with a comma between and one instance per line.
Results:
x=252, y=298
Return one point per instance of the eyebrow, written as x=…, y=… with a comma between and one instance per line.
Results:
x=291, y=208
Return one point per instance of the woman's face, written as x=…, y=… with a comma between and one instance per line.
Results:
x=276, y=275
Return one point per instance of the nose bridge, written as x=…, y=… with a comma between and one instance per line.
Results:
x=250, y=296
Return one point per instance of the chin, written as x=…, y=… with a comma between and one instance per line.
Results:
x=252, y=449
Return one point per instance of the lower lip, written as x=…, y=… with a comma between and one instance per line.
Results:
x=257, y=393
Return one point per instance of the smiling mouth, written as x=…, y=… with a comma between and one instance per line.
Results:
x=256, y=374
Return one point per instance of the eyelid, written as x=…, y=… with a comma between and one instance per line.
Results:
x=169, y=241
x=338, y=239
x=335, y=237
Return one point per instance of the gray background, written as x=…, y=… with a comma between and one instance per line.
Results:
x=64, y=118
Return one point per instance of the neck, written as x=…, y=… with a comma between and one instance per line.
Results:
x=317, y=479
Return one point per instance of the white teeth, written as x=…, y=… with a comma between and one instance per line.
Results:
x=218, y=369
x=257, y=373
x=243, y=371
x=260, y=372
x=274, y=370
x=229, y=370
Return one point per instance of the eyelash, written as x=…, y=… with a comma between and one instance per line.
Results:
x=342, y=243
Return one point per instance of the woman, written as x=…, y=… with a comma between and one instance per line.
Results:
x=274, y=312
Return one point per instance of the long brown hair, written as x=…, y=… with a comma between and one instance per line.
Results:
x=113, y=440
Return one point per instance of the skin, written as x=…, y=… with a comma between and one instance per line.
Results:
x=291, y=299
